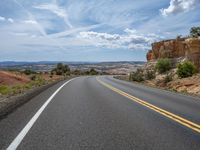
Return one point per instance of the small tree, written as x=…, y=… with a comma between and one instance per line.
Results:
x=195, y=32
x=61, y=69
x=137, y=76
x=150, y=74
x=186, y=69
x=163, y=65
x=93, y=72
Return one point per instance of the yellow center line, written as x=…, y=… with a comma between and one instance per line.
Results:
x=180, y=120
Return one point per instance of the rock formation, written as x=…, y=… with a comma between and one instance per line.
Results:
x=177, y=50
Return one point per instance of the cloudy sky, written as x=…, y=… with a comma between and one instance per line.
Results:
x=90, y=30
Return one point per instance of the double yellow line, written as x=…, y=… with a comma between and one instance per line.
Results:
x=180, y=120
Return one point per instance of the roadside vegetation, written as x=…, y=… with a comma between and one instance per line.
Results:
x=182, y=78
x=186, y=69
x=61, y=69
x=163, y=65
x=27, y=79
x=36, y=80
x=92, y=71
x=20, y=88
x=150, y=74
x=137, y=76
x=195, y=32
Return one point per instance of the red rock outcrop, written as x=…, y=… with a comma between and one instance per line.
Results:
x=177, y=49
x=150, y=55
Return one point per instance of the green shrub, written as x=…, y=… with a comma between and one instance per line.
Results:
x=93, y=72
x=20, y=88
x=17, y=89
x=39, y=82
x=195, y=32
x=4, y=90
x=137, y=76
x=61, y=69
x=163, y=65
x=186, y=69
x=150, y=74
x=27, y=86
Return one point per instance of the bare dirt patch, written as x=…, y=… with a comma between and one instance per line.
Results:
x=13, y=78
x=189, y=85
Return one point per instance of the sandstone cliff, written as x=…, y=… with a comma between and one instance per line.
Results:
x=177, y=50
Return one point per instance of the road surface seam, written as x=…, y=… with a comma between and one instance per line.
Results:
x=180, y=120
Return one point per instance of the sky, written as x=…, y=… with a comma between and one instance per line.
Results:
x=90, y=30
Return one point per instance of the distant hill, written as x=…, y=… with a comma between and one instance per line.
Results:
x=21, y=63
x=121, y=67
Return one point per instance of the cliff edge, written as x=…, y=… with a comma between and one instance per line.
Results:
x=177, y=50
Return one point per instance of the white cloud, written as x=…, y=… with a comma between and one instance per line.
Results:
x=100, y=36
x=60, y=12
x=138, y=47
x=74, y=31
x=30, y=22
x=54, y=8
x=131, y=39
x=178, y=6
x=10, y=20
x=2, y=18
x=46, y=22
x=6, y=19
x=130, y=31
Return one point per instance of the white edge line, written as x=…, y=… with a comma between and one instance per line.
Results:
x=15, y=143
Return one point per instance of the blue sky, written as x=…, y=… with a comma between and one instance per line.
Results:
x=90, y=30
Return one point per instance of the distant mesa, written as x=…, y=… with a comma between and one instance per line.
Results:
x=177, y=50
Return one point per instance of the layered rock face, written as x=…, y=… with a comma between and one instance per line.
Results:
x=176, y=50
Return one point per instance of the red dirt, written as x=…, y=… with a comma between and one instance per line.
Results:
x=12, y=78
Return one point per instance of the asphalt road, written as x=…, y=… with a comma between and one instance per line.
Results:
x=103, y=113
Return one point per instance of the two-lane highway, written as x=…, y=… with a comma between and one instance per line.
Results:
x=104, y=113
